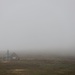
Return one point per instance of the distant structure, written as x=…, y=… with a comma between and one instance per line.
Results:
x=10, y=57
x=14, y=56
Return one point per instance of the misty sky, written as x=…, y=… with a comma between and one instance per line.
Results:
x=37, y=24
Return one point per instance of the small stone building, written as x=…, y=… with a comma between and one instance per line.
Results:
x=14, y=56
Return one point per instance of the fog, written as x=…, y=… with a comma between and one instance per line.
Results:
x=37, y=26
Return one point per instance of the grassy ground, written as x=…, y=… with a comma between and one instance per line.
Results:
x=38, y=67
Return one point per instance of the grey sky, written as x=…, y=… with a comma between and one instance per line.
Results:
x=37, y=24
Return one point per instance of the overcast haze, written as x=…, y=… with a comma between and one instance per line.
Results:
x=37, y=25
